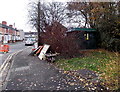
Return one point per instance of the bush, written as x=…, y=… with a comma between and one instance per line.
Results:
x=110, y=43
x=60, y=43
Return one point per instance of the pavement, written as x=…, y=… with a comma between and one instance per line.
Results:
x=30, y=73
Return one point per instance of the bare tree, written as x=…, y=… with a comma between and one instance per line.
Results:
x=47, y=13
x=104, y=16
x=44, y=14
x=35, y=16
x=55, y=11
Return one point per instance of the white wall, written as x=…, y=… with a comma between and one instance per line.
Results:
x=6, y=38
x=22, y=35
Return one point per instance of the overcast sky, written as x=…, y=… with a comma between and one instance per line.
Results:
x=15, y=11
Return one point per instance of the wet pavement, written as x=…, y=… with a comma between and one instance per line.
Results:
x=31, y=73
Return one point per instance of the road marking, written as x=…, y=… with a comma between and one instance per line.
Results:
x=1, y=54
x=9, y=57
x=4, y=66
x=22, y=68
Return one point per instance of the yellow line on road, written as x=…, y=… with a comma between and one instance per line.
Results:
x=9, y=58
x=5, y=65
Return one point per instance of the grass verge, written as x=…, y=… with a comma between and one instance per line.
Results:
x=105, y=63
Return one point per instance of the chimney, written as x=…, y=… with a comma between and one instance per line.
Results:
x=4, y=22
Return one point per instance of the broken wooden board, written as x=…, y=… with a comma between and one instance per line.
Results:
x=43, y=52
x=39, y=50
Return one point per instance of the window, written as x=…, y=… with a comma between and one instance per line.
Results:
x=86, y=35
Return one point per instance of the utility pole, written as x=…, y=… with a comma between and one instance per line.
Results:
x=38, y=24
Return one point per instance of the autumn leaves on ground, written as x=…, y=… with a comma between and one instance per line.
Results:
x=105, y=63
x=104, y=17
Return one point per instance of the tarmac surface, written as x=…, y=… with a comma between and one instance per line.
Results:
x=13, y=47
x=30, y=73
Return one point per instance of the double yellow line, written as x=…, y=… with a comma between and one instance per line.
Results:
x=5, y=65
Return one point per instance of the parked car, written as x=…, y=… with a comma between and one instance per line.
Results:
x=29, y=42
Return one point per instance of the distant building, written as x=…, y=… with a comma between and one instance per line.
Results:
x=22, y=34
x=30, y=35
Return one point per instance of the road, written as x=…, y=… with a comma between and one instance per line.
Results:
x=5, y=60
x=13, y=48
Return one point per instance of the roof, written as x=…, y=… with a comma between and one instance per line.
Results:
x=30, y=33
x=5, y=26
x=81, y=29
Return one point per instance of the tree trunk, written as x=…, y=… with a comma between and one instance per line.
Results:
x=38, y=25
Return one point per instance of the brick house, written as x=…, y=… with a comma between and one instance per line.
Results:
x=8, y=34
